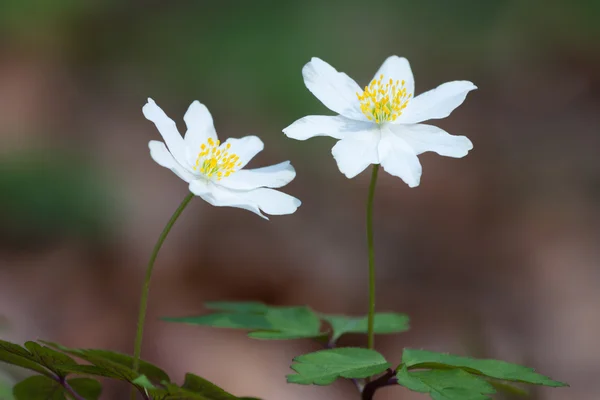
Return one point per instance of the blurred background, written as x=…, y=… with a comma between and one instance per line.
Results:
x=494, y=255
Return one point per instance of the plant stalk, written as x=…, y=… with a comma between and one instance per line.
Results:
x=371, y=318
x=146, y=288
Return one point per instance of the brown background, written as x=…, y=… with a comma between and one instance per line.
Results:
x=494, y=255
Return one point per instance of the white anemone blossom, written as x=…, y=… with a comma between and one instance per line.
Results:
x=381, y=124
x=214, y=170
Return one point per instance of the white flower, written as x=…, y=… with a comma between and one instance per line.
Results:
x=381, y=124
x=214, y=170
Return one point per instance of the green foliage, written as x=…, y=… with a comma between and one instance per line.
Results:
x=14, y=354
x=112, y=364
x=279, y=323
x=264, y=322
x=49, y=358
x=418, y=359
x=384, y=323
x=450, y=384
x=325, y=366
x=56, y=362
x=40, y=387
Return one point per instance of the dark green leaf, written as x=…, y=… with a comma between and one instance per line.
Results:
x=114, y=364
x=199, y=385
x=384, y=323
x=290, y=323
x=38, y=387
x=449, y=384
x=90, y=389
x=252, y=307
x=151, y=371
x=85, y=370
x=492, y=368
x=16, y=355
x=325, y=366
x=49, y=358
x=508, y=388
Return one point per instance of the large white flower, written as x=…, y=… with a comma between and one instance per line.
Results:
x=381, y=124
x=214, y=169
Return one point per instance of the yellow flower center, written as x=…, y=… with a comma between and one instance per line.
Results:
x=383, y=102
x=213, y=160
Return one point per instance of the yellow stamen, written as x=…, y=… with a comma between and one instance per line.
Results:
x=215, y=161
x=384, y=102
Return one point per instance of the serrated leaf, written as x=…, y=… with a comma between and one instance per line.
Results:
x=449, y=384
x=384, y=323
x=89, y=389
x=49, y=358
x=226, y=320
x=290, y=323
x=491, y=368
x=114, y=364
x=14, y=354
x=325, y=366
x=249, y=307
x=38, y=387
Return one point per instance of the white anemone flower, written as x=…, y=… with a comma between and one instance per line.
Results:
x=214, y=170
x=381, y=124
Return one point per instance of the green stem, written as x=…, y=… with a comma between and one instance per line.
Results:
x=371, y=320
x=146, y=288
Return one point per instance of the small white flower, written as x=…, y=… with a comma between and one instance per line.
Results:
x=214, y=169
x=381, y=124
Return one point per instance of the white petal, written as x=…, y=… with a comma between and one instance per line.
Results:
x=436, y=103
x=273, y=201
x=245, y=148
x=399, y=159
x=269, y=200
x=336, y=90
x=221, y=197
x=167, y=128
x=424, y=138
x=322, y=125
x=274, y=176
x=357, y=152
x=397, y=68
x=160, y=154
x=200, y=126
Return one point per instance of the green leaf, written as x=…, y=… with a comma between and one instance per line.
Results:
x=384, y=323
x=251, y=307
x=144, y=382
x=113, y=364
x=449, y=384
x=290, y=323
x=38, y=387
x=90, y=389
x=226, y=320
x=85, y=370
x=325, y=366
x=491, y=368
x=196, y=384
x=275, y=323
x=49, y=358
x=14, y=354
x=508, y=388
